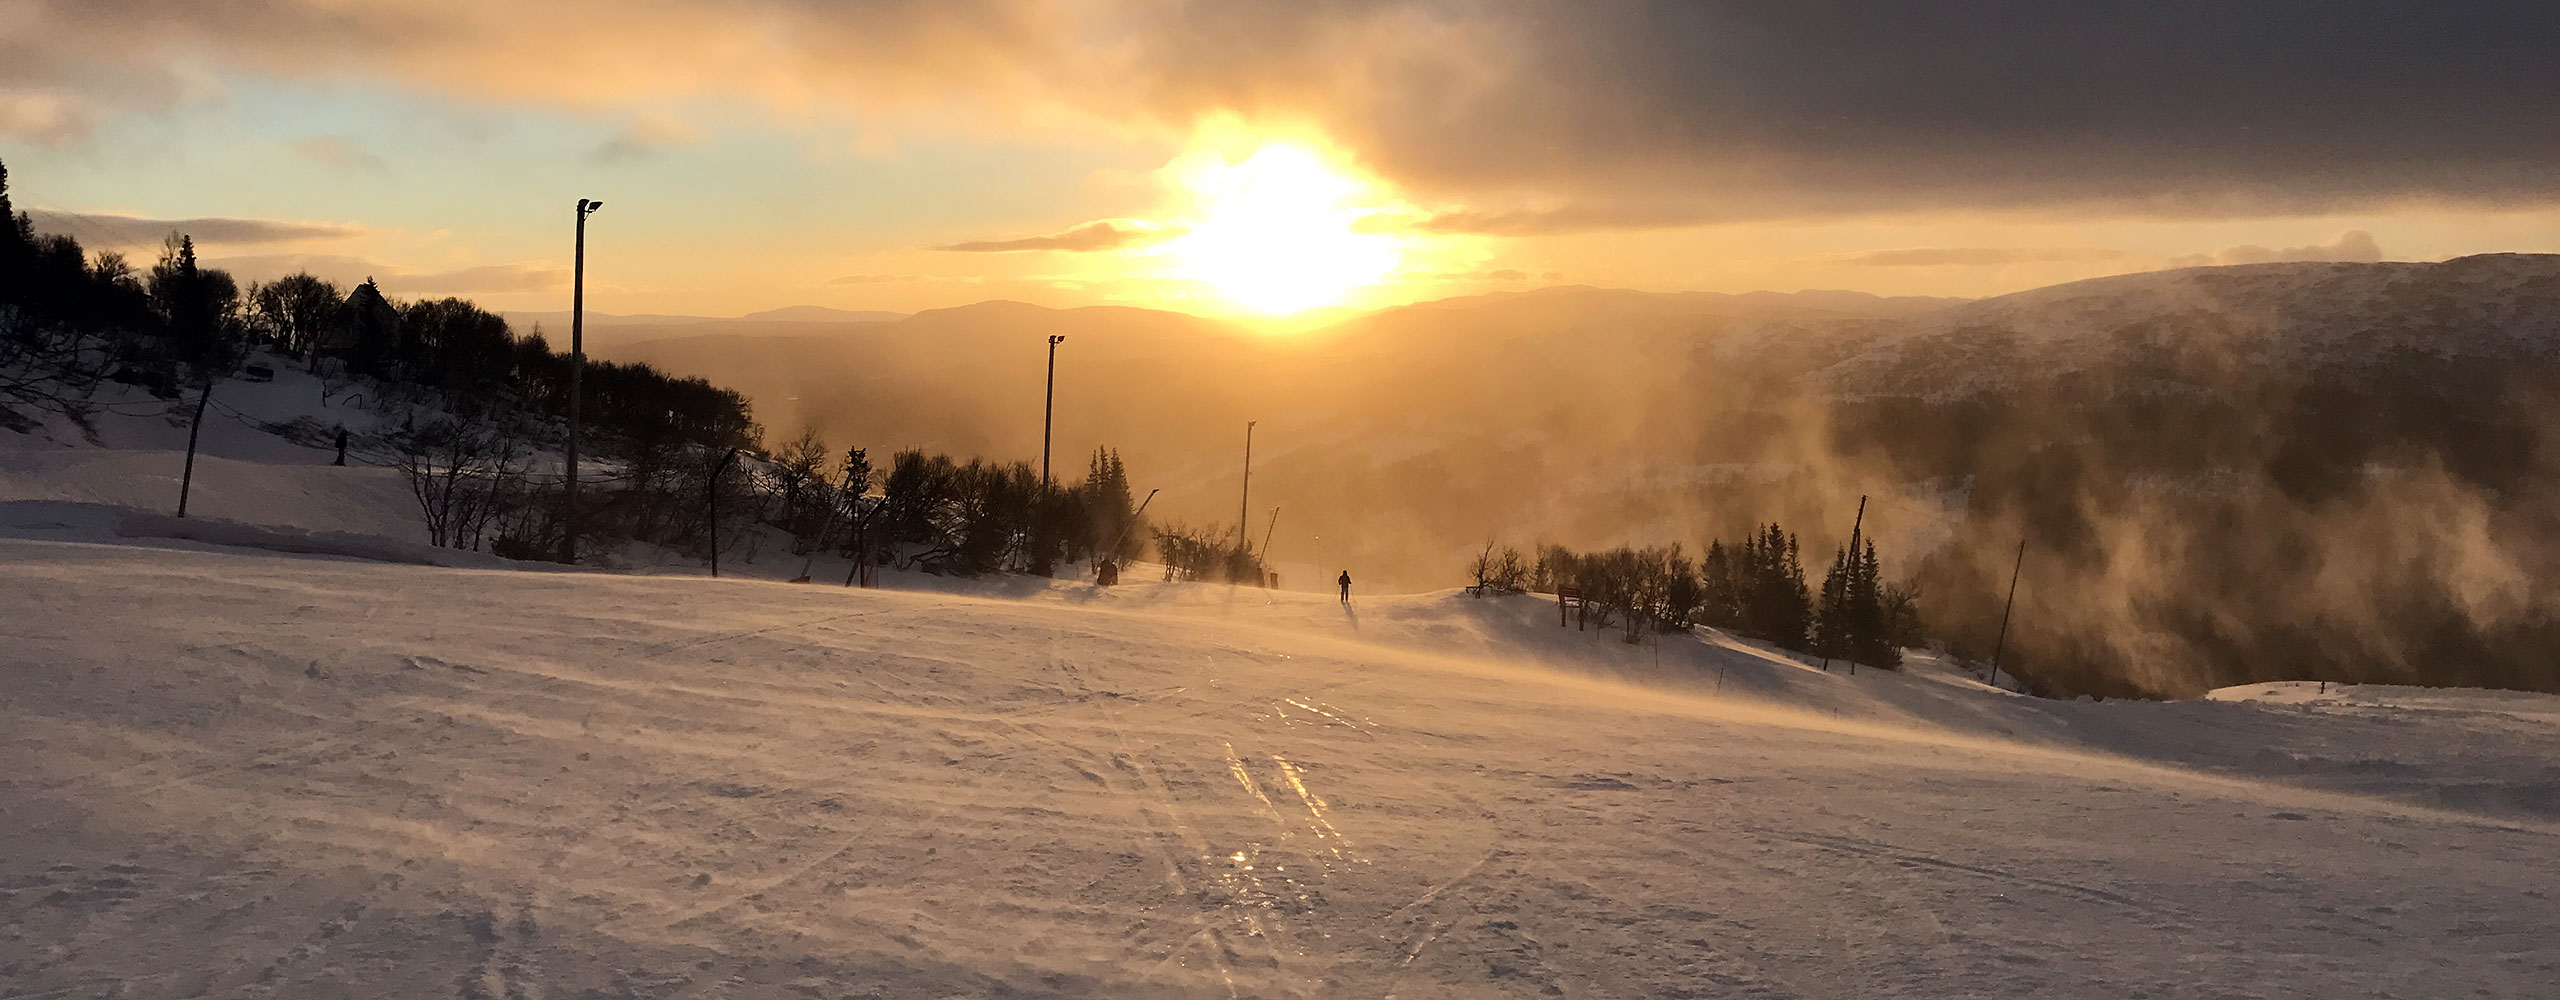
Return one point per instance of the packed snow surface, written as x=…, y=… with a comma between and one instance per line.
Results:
x=237, y=773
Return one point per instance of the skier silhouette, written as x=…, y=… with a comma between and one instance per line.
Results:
x=342, y=446
x=1346, y=586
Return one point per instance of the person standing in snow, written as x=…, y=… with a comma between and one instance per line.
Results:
x=1346, y=586
x=342, y=446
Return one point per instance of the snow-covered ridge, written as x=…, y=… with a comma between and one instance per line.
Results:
x=2258, y=316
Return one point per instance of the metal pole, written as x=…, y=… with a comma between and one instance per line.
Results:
x=1114, y=551
x=1268, y=528
x=713, y=499
x=577, y=373
x=1856, y=564
x=187, y=481
x=2003, y=643
x=1833, y=609
x=1243, y=502
x=1048, y=409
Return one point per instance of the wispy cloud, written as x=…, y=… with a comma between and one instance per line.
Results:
x=130, y=231
x=1983, y=256
x=890, y=279
x=1602, y=216
x=523, y=276
x=336, y=151
x=517, y=277
x=2354, y=246
x=50, y=117
x=1107, y=234
x=643, y=139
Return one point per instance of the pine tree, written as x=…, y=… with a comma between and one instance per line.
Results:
x=1852, y=623
x=1109, y=508
x=1720, y=596
x=197, y=304
x=1772, y=601
x=1831, y=627
x=17, y=229
x=1874, y=645
x=371, y=324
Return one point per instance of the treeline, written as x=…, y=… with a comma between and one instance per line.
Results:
x=941, y=515
x=474, y=402
x=1755, y=586
x=70, y=319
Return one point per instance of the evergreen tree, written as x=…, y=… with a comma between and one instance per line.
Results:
x=17, y=236
x=371, y=322
x=1720, y=599
x=1772, y=600
x=1830, y=624
x=1874, y=644
x=1853, y=624
x=197, y=304
x=1110, y=511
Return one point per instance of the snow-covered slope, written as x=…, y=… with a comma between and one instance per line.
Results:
x=264, y=457
x=232, y=773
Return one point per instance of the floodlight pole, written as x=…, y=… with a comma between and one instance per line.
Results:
x=577, y=373
x=1049, y=409
x=1244, y=505
x=2002, y=644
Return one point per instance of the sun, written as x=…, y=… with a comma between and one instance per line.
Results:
x=1278, y=232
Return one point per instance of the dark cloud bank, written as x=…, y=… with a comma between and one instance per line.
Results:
x=1525, y=117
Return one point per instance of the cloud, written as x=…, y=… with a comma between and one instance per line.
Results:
x=103, y=231
x=336, y=151
x=1584, y=218
x=340, y=268
x=347, y=270
x=1982, y=256
x=1505, y=275
x=518, y=277
x=53, y=119
x=643, y=139
x=2353, y=246
x=1532, y=116
x=1108, y=234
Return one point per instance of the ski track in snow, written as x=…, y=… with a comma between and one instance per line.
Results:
x=236, y=774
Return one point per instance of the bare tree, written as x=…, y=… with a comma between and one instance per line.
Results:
x=463, y=475
x=47, y=366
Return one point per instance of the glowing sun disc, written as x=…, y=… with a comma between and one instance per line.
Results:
x=1277, y=233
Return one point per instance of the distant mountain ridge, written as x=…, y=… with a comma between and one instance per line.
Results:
x=2489, y=307
x=787, y=314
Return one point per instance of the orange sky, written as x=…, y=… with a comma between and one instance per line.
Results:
x=1252, y=159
